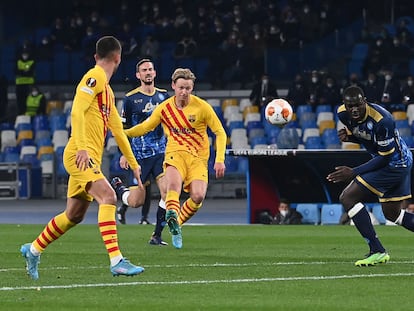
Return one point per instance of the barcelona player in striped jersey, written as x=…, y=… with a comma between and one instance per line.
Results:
x=185, y=119
x=387, y=174
x=93, y=114
x=149, y=149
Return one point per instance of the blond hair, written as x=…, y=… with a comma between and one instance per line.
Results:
x=183, y=73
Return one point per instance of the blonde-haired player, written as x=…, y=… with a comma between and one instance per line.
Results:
x=93, y=114
x=185, y=119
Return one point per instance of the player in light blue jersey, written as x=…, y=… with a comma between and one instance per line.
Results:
x=149, y=149
x=387, y=174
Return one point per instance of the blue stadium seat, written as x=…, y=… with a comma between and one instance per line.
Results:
x=301, y=109
x=314, y=142
x=30, y=159
x=330, y=137
x=401, y=123
x=288, y=139
x=57, y=122
x=359, y=52
x=310, y=212
x=40, y=122
x=323, y=108
x=331, y=214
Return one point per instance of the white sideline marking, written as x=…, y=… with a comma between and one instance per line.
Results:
x=253, y=280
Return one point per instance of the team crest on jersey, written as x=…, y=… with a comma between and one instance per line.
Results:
x=191, y=118
x=161, y=96
x=91, y=82
x=370, y=125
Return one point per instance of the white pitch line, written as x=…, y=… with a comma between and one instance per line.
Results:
x=252, y=280
x=196, y=265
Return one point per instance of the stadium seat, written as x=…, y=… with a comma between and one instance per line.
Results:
x=54, y=107
x=401, y=123
x=40, y=123
x=326, y=124
x=322, y=116
x=8, y=138
x=331, y=214
x=399, y=115
x=310, y=212
x=60, y=138
x=302, y=109
x=27, y=150
x=57, y=122
x=410, y=113
x=229, y=111
x=45, y=153
x=350, y=146
x=236, y=116
x=314, y=142
x=288, y=139
x=22, y=119
x=229, y=102
x=309, y=132
x=250, y=109
x=111, y=146
x=323, y=108
x=252, y=117
x=244, y=102
x=214, y=102
x=24, y=134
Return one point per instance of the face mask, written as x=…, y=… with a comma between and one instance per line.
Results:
x=410, y=82
x=388, y=77
x=314, y=79
x=25, y=56
x=370, y=81
x=265, y=81
x=283, y=213
x=329, y=85
x=35, y=93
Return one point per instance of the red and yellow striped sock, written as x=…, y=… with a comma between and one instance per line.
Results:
x=109, y=233
x=172, y=201
x=57, y=226
x=188, y=210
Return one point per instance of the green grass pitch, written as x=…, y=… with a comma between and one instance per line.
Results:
x=243, y=267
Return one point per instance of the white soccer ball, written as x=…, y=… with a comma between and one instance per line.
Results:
x=278, y=112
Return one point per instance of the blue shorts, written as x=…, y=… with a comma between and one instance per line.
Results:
x=152, y=166
x=388, y=183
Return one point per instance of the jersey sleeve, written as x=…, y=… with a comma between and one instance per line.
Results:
x=216, y=127
x=89, y=87
x=148, y=125
x=116, y=127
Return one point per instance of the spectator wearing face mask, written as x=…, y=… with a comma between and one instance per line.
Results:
x=391, y=94
x=298, y=93
x=25, y=78
x=315, y=88
x=287, y=215
x=373, y=88
x=263, y=91
x=330, y=93
x=35, y=102
x=407, y=91
x=378, y=55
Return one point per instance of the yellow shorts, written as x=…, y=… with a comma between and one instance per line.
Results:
x=190, y=167
x=78, y=179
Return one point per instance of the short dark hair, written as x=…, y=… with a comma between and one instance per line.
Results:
x=353, y=93
x=142, y=61
x=284, y=200
x=107, y=45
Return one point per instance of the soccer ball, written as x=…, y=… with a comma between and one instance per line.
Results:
x=278, y=112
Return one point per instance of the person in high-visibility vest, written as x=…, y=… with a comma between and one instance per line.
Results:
x=35, y=102
x=25, y=78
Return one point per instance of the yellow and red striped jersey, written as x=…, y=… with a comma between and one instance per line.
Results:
x=186, y=128
x=93, y=113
